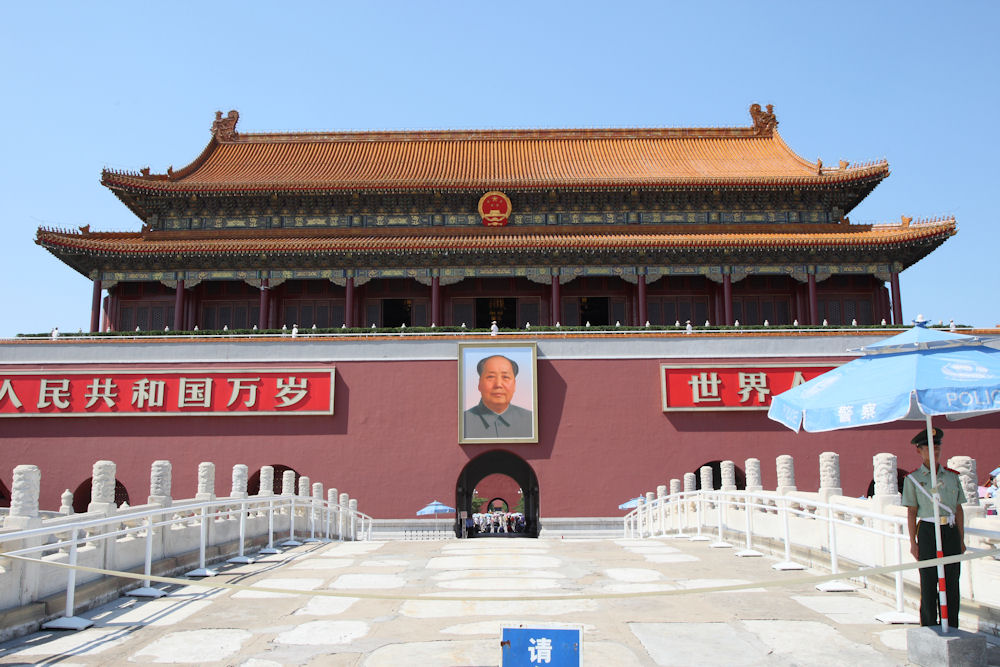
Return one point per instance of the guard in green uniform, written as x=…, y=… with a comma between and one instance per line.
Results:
x=918, y=497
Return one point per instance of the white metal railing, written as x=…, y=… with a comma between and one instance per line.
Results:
x=101, y=538
x=867, y=537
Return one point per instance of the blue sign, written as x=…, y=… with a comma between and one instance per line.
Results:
x=529, y=647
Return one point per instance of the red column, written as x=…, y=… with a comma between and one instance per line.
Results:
x=349, y=303
x=813, y=302
x=179, y=306
x=435, y=300
x=727, y=297
x=642, y=300
x=897, y=305
x=95, y=307
x=556, y=302
x=265, y=294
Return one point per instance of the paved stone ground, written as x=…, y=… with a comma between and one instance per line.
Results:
x=792, y=625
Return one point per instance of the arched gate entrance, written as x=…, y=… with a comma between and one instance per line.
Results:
x=505, y=463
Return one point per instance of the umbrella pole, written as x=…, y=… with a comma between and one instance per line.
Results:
x=942, y=598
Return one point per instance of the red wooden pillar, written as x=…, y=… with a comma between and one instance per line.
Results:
x=349, y=302
x=179, y=306
x=897, y=305
x=435, y=300
x=556, y=302
x=95, y=307
x=641, y=285
x=265, y=294
x=813, y=302
x=727, y=297
x=718, y=313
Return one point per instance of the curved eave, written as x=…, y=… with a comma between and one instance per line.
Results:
x=139, y=185
x=131, y=245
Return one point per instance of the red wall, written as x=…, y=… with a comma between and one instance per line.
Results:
x=392, y=442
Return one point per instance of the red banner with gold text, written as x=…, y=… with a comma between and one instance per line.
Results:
x=174, y=392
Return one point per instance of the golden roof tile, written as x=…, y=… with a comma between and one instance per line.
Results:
x=485, y=159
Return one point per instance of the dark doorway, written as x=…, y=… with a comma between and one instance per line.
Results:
x=499, y=310
x=505, y=463
x=397, y=312
x=594, y=309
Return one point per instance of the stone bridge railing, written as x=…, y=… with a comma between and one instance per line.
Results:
x=166, y=535
x=819, y=529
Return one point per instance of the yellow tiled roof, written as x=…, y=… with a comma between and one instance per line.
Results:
x=494, y=159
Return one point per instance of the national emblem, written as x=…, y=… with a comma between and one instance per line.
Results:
x=494, y=208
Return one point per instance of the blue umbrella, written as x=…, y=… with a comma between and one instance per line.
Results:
x=630, y=504
x=914, y=375
x=917, y=374
x=435, y=507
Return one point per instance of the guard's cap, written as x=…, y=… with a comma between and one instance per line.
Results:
x=995, y=472
x=920, y=439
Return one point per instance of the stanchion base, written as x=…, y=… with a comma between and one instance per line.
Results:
x=241, y=560
x=699, y=538
x=836, y=586
x=748, y=553
x=897, y=618
x=269, y=551
x=720, y=545
x=291, y=543
x=309, y=540
x=202, y=572
x=67, y=623
x=146, y=592
x=787, y=565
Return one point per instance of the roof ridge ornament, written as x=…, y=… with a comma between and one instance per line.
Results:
x=224, y=129
x=764, y=122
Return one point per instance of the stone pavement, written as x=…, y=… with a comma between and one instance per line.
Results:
x=795, y=625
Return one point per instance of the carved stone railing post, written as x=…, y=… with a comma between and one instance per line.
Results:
x=314, y=511
x=288, y=483
x=690, y=482
x=675, y=486
x=887, y=491
x=332, y=512
x=707, y=479
x=965, y=466
x=884, y=474
x=102, y=487
x=240, y=476
x=304, y=486
x=24, y=492
x=342, y=517
x=160, y=474
x=353, y=507
x=754, y=484
x=785, y=465
x=266, y=487
x=661, y=493
x=66, y=502
x=728, y=476
x=206, y=481
x=829, y=476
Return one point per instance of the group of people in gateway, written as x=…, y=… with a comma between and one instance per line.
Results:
x=497, y=522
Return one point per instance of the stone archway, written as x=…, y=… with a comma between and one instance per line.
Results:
x=505, y=463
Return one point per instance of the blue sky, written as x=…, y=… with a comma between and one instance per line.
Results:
x=126, y=85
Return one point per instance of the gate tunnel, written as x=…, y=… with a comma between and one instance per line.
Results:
x=505, y=463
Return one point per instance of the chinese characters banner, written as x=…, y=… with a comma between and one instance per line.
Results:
x=167, y=392
x=729, y=387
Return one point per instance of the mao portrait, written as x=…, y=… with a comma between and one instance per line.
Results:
x=497, y=393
